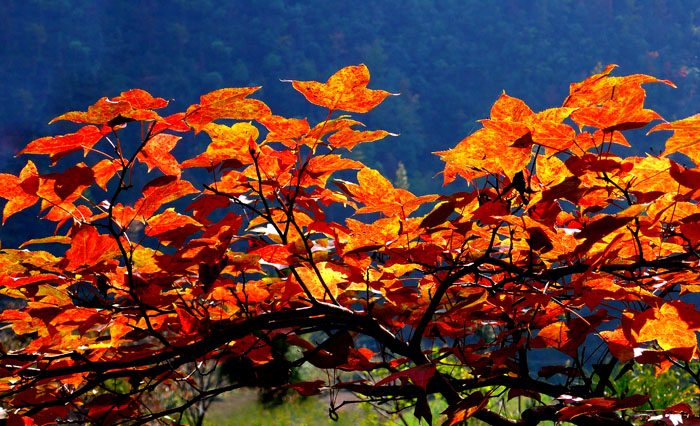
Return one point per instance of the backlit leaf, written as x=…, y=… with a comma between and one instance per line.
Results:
x=88, y=248
x=156, y=153
x=20, y=192
x=60, y=146
x=226, y=103
x=345, y=90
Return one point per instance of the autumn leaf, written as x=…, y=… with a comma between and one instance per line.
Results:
x=88, y=248
x=486, y=151
x=129, y=106
x=685, y=138
x=622, y=112
x=598, y=88
x=605, y=225
x=320, y=168
x=226, y=103
x=156, y=153
x=378, y=194
x=19, y=191
x=673, y=326
x=229, y=143
x=60, y=146
x=285, y=130
x=160, y=191
x=597, y=405
x=345, y=90
x=171, y=228
x=569, y=336
x=419, y=375
x=348, y=138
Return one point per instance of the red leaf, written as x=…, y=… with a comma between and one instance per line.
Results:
x=160, y=191
x=88, y=248
x=419, y=375
x=20, y=192
x=600, y=405
x=307, y=388
x=171, y=228
x=60, y=146
x=156, y=153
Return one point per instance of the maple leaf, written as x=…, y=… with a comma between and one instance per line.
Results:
x=19, y=191
x=134, y=105
x=348, y=138
x=623, y=112
x=156, y=153
x=378, y=194
x=226, y=103
x=284, y=130
x=345, y=90
x=597, y=405
x=319, y=169
x=171, y=227
x=598, y=88
x=60, y=146
x=160, y=191
x=88, y=248
x=568, y=336
x=685, y=138
x=228, y=144
x=673, y=326
x=485, y=151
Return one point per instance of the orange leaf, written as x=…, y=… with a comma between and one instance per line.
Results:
x=623, y=112
x=348, y=138
x=132, y=105
x=509, y=108
x=569, y=336
x=606, y=224
x=20, y=192
x=156, y=153
x=321, y=167
x=673, y=326
x=378, y=194
x=685, y=138
x=60, y=146
x=465, y=408
x=598, y=88
x=140, y=99
x=171, y=228
x=419, y=375
x=486, y=151
x=59, y=189
x=345, y=90
x=333, y=277
x=104, y=170
x=228, y=143
x=160, y=191
x=284, y=130
x=88, y=248
x=330, y=126
x=226, y=103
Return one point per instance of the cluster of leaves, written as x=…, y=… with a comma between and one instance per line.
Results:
x=559, y=243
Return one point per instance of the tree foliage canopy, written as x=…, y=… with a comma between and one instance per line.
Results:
x=551, y=243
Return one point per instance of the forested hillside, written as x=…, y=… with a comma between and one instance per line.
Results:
x=449, y=60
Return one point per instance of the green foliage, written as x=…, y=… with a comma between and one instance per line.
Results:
x=664, y=389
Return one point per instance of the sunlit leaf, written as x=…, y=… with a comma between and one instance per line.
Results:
x=345, y=90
